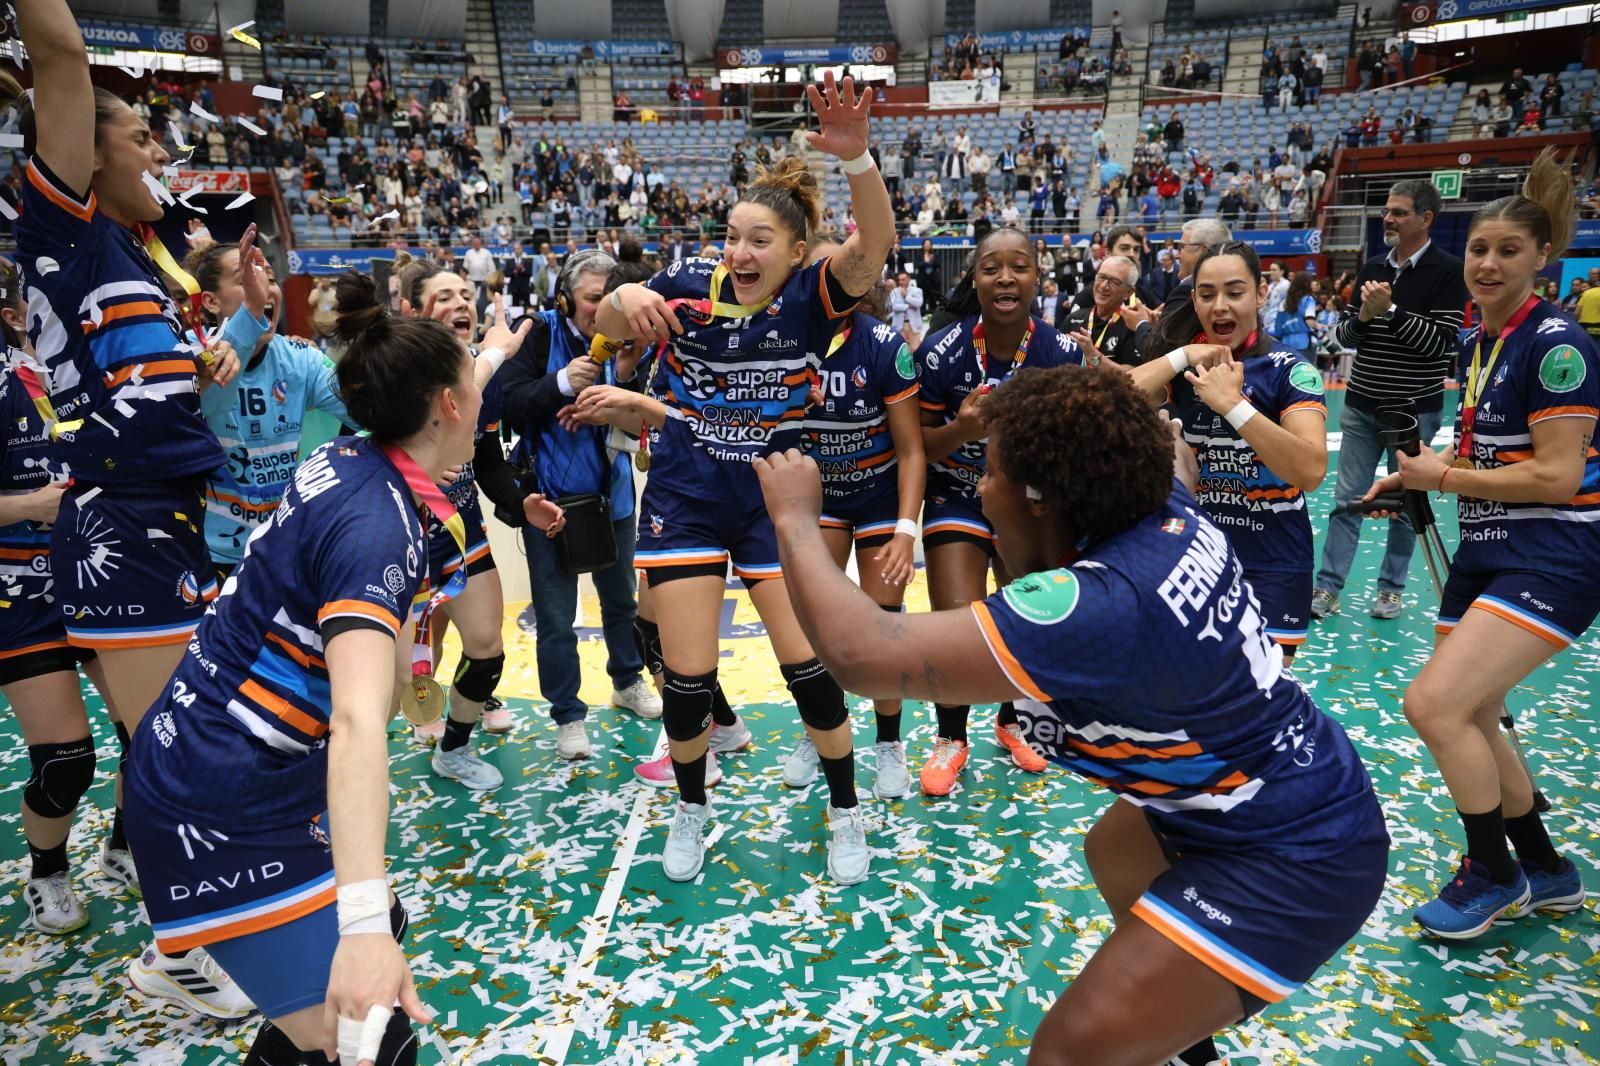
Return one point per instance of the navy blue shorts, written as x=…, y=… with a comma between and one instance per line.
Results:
x=871, y=524
x=949, y=519
x=131, y=565
x=1557, y=608
x=687, y=536
x=445, y=558
x=1264, y=922
x=1285, y=600
x=33, y=635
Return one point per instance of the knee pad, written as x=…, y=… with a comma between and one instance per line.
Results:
x=399, y=1047
x=817, y=694
x=476, y=678
x=399, y=921
x=686, y=704
x=647, y=638
x=123, y=740
x=62, y=773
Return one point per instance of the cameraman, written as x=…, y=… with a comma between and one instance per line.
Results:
x=567, y=460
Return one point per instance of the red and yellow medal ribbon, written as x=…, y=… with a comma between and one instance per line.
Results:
x=41, y=403
x=983, y=351
x=1478, y=380
x=192, y=308
x=445, y=513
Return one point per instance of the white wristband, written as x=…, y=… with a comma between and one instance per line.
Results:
x=859, y=165
x=906, y=526
x=363, y=907
x=1179, y=359
x=1239, y=414
x=495, y=356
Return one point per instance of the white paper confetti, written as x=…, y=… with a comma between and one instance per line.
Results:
x=200, y=112
x=251, y=126
x=10, y=140
x=158, y=190
x=239, y=201
x=8, y=211
x=267, y=92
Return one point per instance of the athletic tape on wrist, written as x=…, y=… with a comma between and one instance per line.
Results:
x=1239, y=414
x=859, y=165
x=363, y=907
x=1179, y=359
x=908, y=526
x=496, y=356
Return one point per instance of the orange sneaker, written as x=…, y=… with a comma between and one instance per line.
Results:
x=1010, y=738
x=943, y=766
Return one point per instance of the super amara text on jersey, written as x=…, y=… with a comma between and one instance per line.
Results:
x=745, y=383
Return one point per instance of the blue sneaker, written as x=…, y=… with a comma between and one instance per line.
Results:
x=1471, y=902
x=1558, y=891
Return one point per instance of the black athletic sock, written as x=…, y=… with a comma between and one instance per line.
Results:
x=1527, y=834
x=1202, y=1054
x=119, y=837
x=721, y=711
x=272, y=1047
x=1486, y=844
x=47, y=862
x=841, y=775
x=456, y=734
x=691, y=777
x=1008, y=714
x=888, y=727
x=952, y=721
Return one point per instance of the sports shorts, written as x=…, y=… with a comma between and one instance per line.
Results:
x=687, y=536
x=1555, y=607
x=1285, y=600
x=870, y=523
x=951, y=519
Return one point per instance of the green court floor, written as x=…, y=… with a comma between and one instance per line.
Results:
x=544, y=931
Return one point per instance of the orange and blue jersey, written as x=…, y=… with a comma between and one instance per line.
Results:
x=30, y=621
x=735, y=387
x=445, y=556
x=1264, y=516
x=952, y=366
x=1220, y=746
x=244, y=723
x=848, y=433
x=122, y=375
x=1549, y=368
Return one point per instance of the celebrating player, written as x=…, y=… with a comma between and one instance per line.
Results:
x=1246, y=846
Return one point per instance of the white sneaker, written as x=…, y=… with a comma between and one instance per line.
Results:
x=430, y=733
x=496, y=717
x=800, y=768
x=117, y=864
x=572, y=741
x=640, y=698
x=726, y=738
x=193, y=979
x=848, y=854
x=894, y=780
x=462, y=764
x=53, y=907
x=658, y=773
x=686, y=850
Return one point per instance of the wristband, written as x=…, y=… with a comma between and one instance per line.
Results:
x=906, y=526
x=1443, y=475
x=363, y=907
x=1239, y=414
x=859, y=165
x=495, y=356
x=1178, y=358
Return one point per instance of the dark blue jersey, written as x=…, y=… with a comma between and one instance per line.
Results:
x=1146, y=668
x=848, y=434
x=25, y=584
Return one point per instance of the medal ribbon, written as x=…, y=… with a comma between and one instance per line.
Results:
x=1100, y=339
x=983, y=350
x=193, y=309
x=1472, y=388
x=444, y=512
x=713, y=308
x=41, y=402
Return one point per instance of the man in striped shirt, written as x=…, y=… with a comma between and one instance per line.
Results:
x=1404, y=324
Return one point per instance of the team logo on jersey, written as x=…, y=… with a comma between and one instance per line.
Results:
x=22, y=424
x=189, y=588
x=775, y=306
x=1562, y=369
x=1043, y=599
x=904, y=364
x=393, y=578
x=280, y=390
x=1172, y=525
x=655, y=525
x=858, y=377
x=1304, y=377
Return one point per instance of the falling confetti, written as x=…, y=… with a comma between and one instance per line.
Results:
x=239, y=201
x=267, y=92
x=238, y=34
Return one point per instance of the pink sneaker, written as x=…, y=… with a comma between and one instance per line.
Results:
x=428, y=734
x=657, y=773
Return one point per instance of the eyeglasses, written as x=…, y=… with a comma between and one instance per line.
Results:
x=1116, y=283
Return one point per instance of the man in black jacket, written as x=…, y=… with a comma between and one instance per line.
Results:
x=1404, y=324
x=549, y=372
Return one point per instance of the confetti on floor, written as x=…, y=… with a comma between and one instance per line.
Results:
x=979, y=910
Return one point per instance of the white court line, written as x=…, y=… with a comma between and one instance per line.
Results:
x=576, y=987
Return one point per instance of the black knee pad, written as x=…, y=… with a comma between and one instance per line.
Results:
x=399, y=1047
x=123, y=740
x=686, y=704
x=399, y=921
x=647, y=638
x=62, y=773
x=817, y=694
x=476, y=678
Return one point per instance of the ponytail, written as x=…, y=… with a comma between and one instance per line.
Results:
x=1545, y=209
x=13, y=97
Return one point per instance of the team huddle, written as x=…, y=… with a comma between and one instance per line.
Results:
x=254, y=611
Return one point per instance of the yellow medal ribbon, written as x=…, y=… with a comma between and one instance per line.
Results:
x=41, y=403
x=193, y=310
x=721, y=310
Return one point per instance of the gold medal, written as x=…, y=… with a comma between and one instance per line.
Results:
x=641, y=460
x=1462, y=463
x=423, y=701
x=208, y=357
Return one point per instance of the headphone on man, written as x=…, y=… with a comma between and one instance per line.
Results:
x=589, y=261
